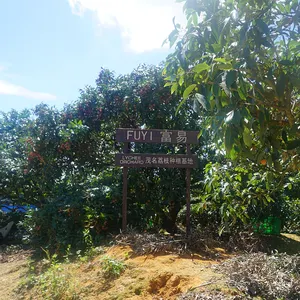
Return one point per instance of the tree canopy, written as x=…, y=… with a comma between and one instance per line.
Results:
x=233, y=76
x=239, y=62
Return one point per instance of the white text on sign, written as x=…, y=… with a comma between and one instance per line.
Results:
x=139, y=135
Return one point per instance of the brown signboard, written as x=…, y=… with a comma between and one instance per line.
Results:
x=157, y=136
x=136, y=160
x=142, y=160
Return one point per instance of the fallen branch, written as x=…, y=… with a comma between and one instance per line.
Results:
x=204, y=284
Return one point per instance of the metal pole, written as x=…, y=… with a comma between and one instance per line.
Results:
x=125, y=183
x=188, y=195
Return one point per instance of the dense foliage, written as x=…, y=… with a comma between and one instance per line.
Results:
x=238, y=63
x=233, y=76
x=63, y=161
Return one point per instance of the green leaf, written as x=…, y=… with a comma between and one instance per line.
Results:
x=234, y=153
x=241, y=94
x=280, y=86
x=200, y=99
x=286, y=62
x=188, y=91
x=237, y=117
x=262, y=26
x=174, y=88
x=269, y=180
x=222, y=60
x=171, y=78
x=208, y=187
x=261, y=118
x=247, y=137
x=222, y=38
x=281, y=7
x=229, y=117
x=181, y=80
x=266, y=43
x=243, y=33
x=233, y=117
x=200, y=134
x=173, y=37
x=225, y=66
x=195, y=19
x=228, y=139
x=260, y=156
x=216, y=90
x=165, y=41
x=269, y=199
x=201, y=67
x=216, y=47
x=215, y=28
x=230, y=78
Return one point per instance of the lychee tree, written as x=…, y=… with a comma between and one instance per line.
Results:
x=239, y=62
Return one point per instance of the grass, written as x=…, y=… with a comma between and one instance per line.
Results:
x=49, y=279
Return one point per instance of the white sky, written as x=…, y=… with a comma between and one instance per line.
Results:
x=7, y=88
x=144, y=24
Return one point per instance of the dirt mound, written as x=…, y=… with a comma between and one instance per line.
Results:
x=148, y=276
x=153, y=276
x=167, y=284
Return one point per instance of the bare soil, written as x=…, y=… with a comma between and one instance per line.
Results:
x=147, y=276
x=13, y=268
x=152, y=277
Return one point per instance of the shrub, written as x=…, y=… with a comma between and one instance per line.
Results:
x=53, y=282
x=57, y=225
x=292, y=216
x=112, y=268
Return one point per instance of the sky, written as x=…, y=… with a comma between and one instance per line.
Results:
x=52, y=48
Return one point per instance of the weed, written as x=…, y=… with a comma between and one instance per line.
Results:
x=89, y=253
x=112, y=268
x=68, y=254
x=51, y=259
x=53, y=283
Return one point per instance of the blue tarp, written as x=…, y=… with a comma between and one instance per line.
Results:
x=14, y=208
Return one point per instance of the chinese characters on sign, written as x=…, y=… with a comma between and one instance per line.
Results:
x=181, y=138
x=157, y=136
x=135, y=160
x=156, y=160
x=166, y=136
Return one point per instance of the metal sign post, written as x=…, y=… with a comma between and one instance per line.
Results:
x=144, y=160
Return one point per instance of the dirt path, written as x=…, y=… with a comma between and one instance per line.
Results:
x=12, y=269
